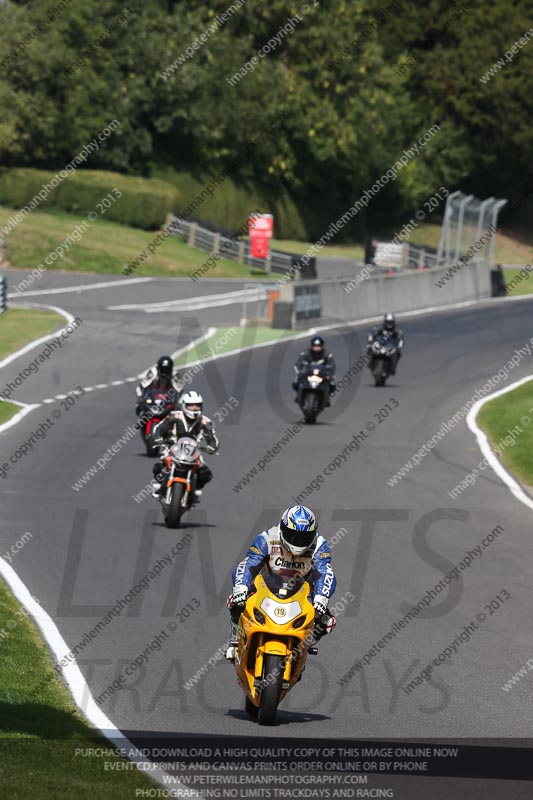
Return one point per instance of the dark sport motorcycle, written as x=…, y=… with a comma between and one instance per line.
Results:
x=313, y=391
x=384, y=353
x=156, y=405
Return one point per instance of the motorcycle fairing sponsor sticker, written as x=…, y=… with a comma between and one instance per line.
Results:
x=281, y=613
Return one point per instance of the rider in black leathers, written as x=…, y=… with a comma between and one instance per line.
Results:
x=165, y=380
x=388, y=328
x=315, y=356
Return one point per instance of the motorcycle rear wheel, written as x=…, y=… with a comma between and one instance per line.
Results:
x=175, y=509
x=271, y=692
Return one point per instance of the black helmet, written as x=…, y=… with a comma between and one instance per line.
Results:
x=317, y=346
x=165, y=367
x=389, y=322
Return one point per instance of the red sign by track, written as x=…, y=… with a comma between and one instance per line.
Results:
x=261, y=229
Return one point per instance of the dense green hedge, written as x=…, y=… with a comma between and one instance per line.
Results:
x=230, y=204
x=145, y=202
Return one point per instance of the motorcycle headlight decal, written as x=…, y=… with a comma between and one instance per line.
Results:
x=281, y=613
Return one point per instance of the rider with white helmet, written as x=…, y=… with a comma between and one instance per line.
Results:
x=187, y=421
x=294, y=549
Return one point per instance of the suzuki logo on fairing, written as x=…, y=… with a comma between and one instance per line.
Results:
x=283, y=562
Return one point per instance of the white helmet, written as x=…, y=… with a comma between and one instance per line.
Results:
x=191, y=404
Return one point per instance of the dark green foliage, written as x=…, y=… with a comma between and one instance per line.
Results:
x=144, y=203
x=353, y=85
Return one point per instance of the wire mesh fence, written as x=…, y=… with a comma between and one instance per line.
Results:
x=469, y=226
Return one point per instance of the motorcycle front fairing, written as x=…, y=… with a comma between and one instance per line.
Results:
x=278, y=619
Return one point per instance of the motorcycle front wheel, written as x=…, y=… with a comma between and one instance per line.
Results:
x=175, y=509
x=271, y=692
x=310, y=408
x=249, y=707
x=380, y=373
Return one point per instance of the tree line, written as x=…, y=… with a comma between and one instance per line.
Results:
x=354, y=85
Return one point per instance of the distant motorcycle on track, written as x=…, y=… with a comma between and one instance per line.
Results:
x=384, y=355
x=313, y=391
x=155, y=406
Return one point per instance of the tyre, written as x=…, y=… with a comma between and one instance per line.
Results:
x=380, y=373
x=152, y=451
x=175, y=509
x=310, y=408
x=271, y=691
x=249, y=707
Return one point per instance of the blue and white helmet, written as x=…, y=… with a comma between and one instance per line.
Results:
x=297, y=529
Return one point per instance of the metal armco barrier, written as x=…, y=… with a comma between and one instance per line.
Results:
x=198, y=236
x=3, y=293
x=306, y=266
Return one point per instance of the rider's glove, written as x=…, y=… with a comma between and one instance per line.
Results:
x=326, y=625
x=320, y=606
x=238, y=596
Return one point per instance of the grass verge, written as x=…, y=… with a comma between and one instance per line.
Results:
x=40, y=728
x=7, y=410
x=507, y=250
x=225, y=340
x=499, y=418
x=106, y=248
x=18, y=326
x=519, y=281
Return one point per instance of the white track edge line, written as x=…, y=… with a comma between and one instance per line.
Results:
x=83, y=287
x=76, y=683
x=27, y=347
x=484, y=445
x=25, y=408
x=72, y=674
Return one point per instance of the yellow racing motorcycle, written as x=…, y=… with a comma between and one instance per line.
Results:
x=275, y=634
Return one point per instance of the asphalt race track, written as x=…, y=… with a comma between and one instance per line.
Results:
x=91, y=546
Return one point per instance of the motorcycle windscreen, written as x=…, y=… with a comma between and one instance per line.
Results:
x=281, y=586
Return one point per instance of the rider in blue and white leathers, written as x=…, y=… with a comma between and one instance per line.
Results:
x=291, y=549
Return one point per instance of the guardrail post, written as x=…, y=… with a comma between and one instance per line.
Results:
x=216, y=245
x=3, y=251
x=3, y=293
x=242, y=248
x=192, y=233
